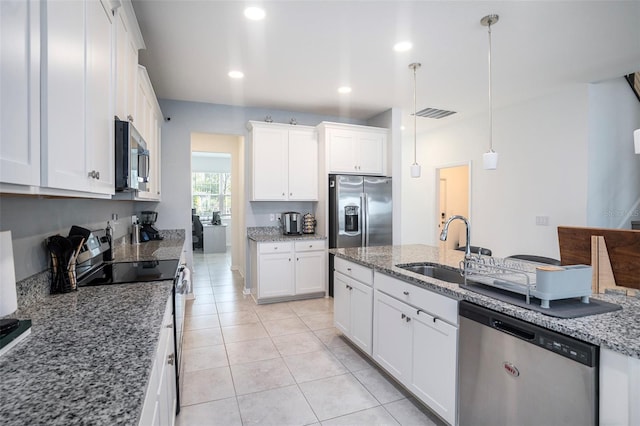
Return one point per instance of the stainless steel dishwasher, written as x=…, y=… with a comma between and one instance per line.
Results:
x=511, y=372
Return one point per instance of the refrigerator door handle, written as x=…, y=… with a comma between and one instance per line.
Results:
x=365, y=218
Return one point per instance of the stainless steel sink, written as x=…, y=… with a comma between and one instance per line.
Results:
x=434, y=270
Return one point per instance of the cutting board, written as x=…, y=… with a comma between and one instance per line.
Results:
x=623, y=247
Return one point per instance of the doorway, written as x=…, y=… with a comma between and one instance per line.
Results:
x=221, y=157
x=453, y=198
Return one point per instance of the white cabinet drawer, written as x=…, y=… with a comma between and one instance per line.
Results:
x=278, y=247
x=309, y=245
x=434, y=304
x=353, y=270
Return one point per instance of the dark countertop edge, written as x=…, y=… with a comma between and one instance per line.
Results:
x=282, y=237
x=455, y=292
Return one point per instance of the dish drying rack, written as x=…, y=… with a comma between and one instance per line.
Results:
x=543, y=282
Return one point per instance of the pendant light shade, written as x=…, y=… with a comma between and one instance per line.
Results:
x=490, y=158
x=415, y=167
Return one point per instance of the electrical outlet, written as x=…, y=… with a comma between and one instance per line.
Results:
x=542, y=220
x=272, y=217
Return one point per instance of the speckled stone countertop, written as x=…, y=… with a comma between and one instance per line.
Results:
x=88, y=358
x=168, y=248
x=618, y=331
x=268, y=234
x=90, y=352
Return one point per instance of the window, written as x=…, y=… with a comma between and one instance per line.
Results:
x=211, y=192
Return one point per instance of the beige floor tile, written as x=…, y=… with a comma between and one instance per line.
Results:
x=261, y=375
x=409, y=412
x=337, y=396
x=274, y=311
x=203, y=299
x=319, y=321
x=351, y=358
x=251, y=351
x=201, y=338
x=331, y=337
x=201, y=283
x=200, y=309
x=202, y=291
x=224, y=412
x=312, y=306
x=198, y=322
x=226, y=289
x=285, y=326
x=379, y=385
x=204, y=358
x=376, y=416
x=293, y=344
x=237, y=318
x=239, y=333
x=283, y=406
x=314, y=365
x=235, y=306
x=232, y=297
x=207, y=385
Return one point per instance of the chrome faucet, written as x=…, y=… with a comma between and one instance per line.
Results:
x=445, y=232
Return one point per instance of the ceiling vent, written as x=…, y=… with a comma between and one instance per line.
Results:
x=434, y=113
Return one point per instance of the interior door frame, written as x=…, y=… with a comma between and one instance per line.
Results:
x=437, y=187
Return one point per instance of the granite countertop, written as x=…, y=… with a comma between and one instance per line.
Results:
x=618, y=331
x=269, y=234
x=90, y=352
x=168, y=248
x=88, y=358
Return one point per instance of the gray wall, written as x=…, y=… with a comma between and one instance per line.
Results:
x=32, y=219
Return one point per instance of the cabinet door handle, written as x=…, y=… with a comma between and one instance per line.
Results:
x=406, y=293
x=349, y=269
x=407, y=319
x=297, y=258
x=403, y=316
x=283, y=194
x=170, y=359
x=291, y=194
x=310, y=245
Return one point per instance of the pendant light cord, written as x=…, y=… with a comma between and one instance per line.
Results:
x=490, y=98
x=415, y=110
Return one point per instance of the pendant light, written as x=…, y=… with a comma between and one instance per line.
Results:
x=490, y=158
x=415, y=167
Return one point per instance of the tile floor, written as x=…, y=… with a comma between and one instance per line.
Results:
x=278, y=364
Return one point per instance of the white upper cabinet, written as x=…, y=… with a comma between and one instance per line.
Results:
x=284, y=162
x=77, y=118
x=127, y=42
x=354, y=149
x=20, y=92
x=148, y=123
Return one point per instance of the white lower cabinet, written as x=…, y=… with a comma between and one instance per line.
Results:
x=281, y=270
x=160, y=402
x=619, y=389
x=416, y=346
x=353, y=302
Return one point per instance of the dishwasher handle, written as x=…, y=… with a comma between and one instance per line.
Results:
x=513, y=330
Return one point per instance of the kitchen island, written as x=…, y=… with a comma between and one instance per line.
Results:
x=618, y=331
x=373, y=292
x=91, y=352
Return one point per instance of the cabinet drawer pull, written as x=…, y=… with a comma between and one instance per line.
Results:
x=408, y=319
x=403, y=316
x=406, y=293
x=349, y=269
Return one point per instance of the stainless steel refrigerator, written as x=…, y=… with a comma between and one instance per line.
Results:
x=360, y=213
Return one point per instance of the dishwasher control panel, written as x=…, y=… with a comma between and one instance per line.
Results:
x=568, y=350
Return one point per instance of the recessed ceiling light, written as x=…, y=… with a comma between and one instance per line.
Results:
x=344, y=90
x=254, y=13
x=236, y=74
x=402, y=46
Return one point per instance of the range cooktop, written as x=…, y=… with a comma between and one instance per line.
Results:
x=131, y=272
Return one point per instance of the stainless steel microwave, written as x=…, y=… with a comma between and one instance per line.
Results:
x=132, y=158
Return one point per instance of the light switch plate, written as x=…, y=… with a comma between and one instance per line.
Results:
x=542, y=220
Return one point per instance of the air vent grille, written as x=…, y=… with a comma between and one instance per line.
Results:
x=434, y=113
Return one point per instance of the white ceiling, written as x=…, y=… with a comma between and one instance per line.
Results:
x=304, y=50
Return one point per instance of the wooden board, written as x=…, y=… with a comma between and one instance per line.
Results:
x=623, y=247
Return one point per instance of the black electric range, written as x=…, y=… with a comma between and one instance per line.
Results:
x=131, y=272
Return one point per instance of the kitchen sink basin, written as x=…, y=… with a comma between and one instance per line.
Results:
x=436, y=271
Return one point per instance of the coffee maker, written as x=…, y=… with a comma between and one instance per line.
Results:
x=148, y=231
